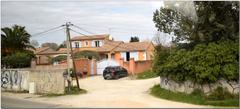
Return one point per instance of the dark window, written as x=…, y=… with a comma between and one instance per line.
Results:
x=97, y=43
x=127, y=56
x=77, y=44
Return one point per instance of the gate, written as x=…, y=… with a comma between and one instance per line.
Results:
x=102, y=64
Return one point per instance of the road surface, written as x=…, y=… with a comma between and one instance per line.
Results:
x=10, y=102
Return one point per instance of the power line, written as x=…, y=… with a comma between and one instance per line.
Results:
x=83, y=29
x=77, y=32
x=46, y=31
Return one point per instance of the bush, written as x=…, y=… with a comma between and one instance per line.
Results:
x=203, y=64
x=17, y=60
x=147, y=74
x=59, y=58
x=87, y=54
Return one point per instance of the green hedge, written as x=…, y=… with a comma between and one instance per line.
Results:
x=17, y=60
x=206, y=63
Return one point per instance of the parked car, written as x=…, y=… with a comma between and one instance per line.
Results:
x=114, y=72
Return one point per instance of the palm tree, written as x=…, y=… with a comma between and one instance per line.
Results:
x=15, y=39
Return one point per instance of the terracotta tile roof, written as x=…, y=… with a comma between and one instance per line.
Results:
x=133, y=46
x=40, y=49
x=108, y=46
x=90, y=37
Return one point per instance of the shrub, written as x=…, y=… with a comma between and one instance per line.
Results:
x=18, y=60
x=87, y=54
x=59, y=58
x=203, y=64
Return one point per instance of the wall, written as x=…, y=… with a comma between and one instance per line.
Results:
x=188, y=86
x=47, y=81
x=84, y=65
x=136, y=66
x=59, y=66
x=141, y=66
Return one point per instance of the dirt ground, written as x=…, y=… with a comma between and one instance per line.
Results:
x=122, y=93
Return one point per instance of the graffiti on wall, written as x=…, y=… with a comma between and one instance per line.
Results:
x=11, y=78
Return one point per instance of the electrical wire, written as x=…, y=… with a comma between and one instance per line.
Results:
x=46, y=31
x=83, y=29
x=77, y=32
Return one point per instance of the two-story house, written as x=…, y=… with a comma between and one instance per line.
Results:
x=108, y=48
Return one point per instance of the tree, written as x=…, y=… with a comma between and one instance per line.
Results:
x=134, y=39
x=214, y=21
x=54, y=46
x=62, y=45
x=14, y=40
x=16, y=48
x=87, y=54
x=34, y=43
x=210, y=50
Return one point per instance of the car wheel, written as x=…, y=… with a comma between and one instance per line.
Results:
x=107, y=76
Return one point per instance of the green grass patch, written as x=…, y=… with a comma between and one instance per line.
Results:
x=73, y=91
x=147, y=74
x=22, y=91
x=194, y=98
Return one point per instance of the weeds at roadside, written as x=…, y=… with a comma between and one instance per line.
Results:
x=196, y=97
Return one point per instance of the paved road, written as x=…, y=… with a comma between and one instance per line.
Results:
x=10, y=102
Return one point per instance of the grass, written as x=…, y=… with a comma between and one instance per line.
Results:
x=74, y=91
x=23, y=91
x=146, y=74
x=195, y=98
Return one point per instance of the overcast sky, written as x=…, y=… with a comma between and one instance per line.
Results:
x=119, y=19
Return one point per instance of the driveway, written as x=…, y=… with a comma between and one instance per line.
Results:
x=122, y=93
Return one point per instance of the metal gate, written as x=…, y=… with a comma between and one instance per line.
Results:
x=102, y=64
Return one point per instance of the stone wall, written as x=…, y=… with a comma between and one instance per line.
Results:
x=46, y=81
x=188, y=86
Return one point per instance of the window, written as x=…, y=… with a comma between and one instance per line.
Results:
x=77, y=44
x=86, y=43
x=97, y=43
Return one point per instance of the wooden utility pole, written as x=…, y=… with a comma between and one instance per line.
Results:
x=69, y=45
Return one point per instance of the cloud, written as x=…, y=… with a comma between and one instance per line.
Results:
x=121, y=19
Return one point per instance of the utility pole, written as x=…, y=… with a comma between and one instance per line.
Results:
x=69, y=48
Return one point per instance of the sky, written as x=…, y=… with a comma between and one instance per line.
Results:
x=120, y=19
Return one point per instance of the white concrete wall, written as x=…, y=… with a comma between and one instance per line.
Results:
x=47, y=81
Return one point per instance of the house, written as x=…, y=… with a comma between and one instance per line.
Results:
x=134, y=56
x=44, y=54
x=110, y=49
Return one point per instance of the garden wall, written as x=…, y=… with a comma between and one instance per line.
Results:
x=46, y=81
x=188, y=86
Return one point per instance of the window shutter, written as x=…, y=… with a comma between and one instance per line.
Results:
x=80, y=44
x=93, y=45
x=100, y=43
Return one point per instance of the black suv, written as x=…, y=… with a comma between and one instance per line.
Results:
x=114, y=72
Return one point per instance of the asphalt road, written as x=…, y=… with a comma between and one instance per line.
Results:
x=10, y=102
